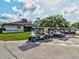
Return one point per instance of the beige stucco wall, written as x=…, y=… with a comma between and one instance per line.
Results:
x=13, y=28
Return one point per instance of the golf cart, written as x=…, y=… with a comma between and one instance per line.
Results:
x=58, y=33
x=70, y=31
x=67, y=31
x=50, y=32
x=73, y=31
x=38, y=34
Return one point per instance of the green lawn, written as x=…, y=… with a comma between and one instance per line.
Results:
x=14, y=36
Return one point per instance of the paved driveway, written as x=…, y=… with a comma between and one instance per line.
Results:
x=53, y=48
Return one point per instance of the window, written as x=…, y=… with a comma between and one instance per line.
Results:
x=18, y=27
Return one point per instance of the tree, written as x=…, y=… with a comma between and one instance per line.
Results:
x=59, y=21
x=53, y=22
x=75, y=25
x=37, y=22
x=67, y=24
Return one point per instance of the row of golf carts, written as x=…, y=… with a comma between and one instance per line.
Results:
x=44, y=33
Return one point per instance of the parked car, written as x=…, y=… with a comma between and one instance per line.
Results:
x=67, y=31
x=73, y=31
x=58, y=33
x=37, y=34
x=70, y=31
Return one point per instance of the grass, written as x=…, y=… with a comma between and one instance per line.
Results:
x=14, y=36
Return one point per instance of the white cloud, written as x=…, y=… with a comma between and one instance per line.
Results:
x=9, y=17
x=39, y=13
x=28, y=0
x=7, y=0
x=44, y=2
x=19, y=11
x=51, y=9
x=14, y=8
x=27, y=6
x=19, y=0
x=25, y=15
x=45, y=16
x=25, y=10
x=50, y=3
x=70, y=10
x=36, y=7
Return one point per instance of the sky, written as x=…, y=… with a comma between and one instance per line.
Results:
x=14, y=10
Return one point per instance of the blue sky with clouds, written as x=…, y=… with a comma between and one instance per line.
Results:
x=14, y=10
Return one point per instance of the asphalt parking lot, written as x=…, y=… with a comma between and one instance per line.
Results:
x=53, y=48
